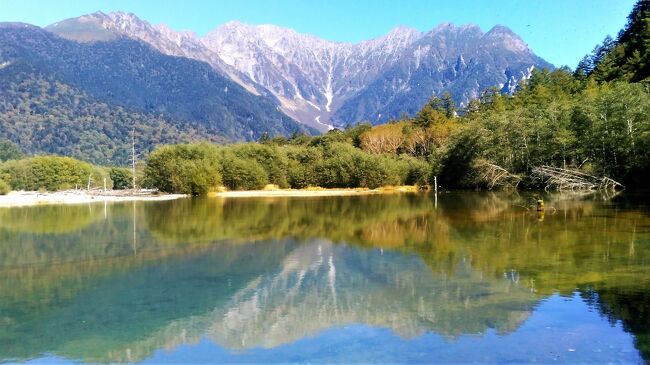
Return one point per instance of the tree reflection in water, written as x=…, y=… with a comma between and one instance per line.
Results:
x=266, y=272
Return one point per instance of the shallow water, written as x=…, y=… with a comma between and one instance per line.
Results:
x=464, y=277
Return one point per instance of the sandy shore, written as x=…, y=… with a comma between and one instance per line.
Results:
x=27, y=198
x=309, y=193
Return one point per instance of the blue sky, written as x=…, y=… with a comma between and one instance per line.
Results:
x=561, y=31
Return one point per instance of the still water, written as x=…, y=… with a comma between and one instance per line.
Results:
x=464, y=277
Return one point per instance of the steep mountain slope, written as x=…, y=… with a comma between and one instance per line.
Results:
x=373, y=80
x=105, y=27
x=319, y=82
x=311, y=76
x=469, y=62
x=43, y=115
x=133, y=78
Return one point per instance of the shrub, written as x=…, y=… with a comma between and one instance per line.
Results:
x=122, y=178
x=338, y=166
x=418, y=171
x=301, y=172
x=187, y=169
x=369, y=172
x=242, y=174
x=49, y=173
x=271, y=158
x=4, y=187
x=373, y=171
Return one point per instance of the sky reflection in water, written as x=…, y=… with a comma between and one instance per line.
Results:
x=399, y=278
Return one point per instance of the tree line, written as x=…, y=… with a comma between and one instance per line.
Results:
x=54, y=173
x=595, y=120
x=555, y=119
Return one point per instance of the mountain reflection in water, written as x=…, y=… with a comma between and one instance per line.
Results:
x=401, y=277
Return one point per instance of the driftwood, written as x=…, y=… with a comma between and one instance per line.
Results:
x=555, y=178
x=494, y=176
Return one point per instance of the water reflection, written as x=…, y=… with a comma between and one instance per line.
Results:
x=116, y=283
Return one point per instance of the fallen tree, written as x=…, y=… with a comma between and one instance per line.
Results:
x=493, y=176
x=555, y=178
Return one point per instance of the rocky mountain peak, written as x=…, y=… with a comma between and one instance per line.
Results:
x=507, y=38
x=396, y=38
x=451, y=28
x=321, y=82
x=402, y=33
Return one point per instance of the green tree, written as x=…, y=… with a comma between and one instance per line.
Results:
x=4, y=187
x=448, y=105
x=242, y=173
x=9, y=151
x=628, y=57
x=51, y=173
x=270, y=157
x=187, y=169
x=122, y=178
x=302, y=159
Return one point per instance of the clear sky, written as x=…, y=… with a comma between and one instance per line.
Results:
x=561, y=31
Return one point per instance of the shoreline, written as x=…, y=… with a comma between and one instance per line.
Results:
x=69, y=197
x=33, y=198
x=305, y=193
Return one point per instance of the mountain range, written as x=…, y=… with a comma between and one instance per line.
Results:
x=321, y=83
x=236, y=82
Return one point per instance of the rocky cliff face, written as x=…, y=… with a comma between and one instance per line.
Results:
x=325, y=84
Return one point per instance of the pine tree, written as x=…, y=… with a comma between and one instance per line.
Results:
x=584, y=68
x=627, y=58
x=448, y=105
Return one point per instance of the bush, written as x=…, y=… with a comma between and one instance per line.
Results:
x=242, y=174
x=338, y=166
x=187, y=169
x=418, y=171
x=373, y=171
x=302, y=160
x=49, y=173
x=369, y=172
x=4, y=187
x=271, y=158
x=122, y=178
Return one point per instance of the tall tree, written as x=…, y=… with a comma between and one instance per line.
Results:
x=9, y=151
x=629, y=57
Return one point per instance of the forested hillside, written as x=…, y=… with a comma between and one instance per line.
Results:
x=570, y=120
x=81, y=100
x=40, y=114
x=588, y=120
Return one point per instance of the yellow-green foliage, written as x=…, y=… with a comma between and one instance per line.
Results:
x=188, y=169
x=329, y=163
x=560, y=121
x=4, y=187
x=48, y=173
x=554, y=119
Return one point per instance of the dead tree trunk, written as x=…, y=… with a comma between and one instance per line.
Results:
x=555, y=178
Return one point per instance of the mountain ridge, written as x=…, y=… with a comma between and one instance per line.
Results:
x=84, y=99
x=324, y=83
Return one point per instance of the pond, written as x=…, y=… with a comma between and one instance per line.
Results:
x=402, y=278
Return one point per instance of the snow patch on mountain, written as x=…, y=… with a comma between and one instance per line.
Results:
x=320, y=82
